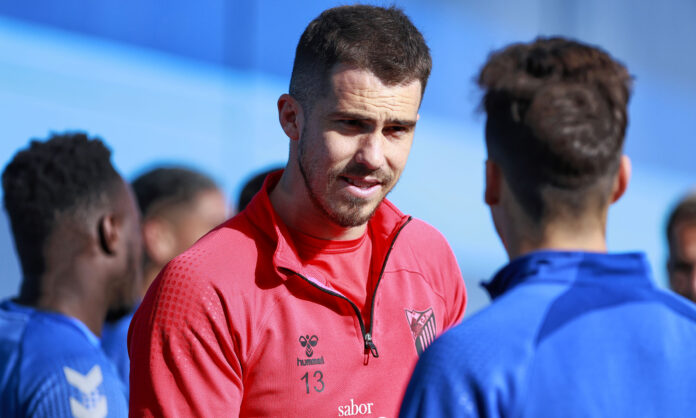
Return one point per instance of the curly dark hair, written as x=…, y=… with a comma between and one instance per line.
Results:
x=69, y=173
x=164, y=187
x=557, y=117
x=381, y=40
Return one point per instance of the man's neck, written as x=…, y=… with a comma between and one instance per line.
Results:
x=74, y=299
x=297, y=211
x=150, y=272
x=560, y=243
x=589, y=238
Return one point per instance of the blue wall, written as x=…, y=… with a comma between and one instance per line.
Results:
x=196, y=83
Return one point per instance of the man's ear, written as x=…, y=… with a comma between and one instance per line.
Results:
x=108, y=230
x=494, y=177
x=622, y=178
x=158, y=240
x=291, y=116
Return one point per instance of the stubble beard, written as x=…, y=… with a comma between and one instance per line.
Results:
x=350, y=215
x=124, y=299
x=130, y=285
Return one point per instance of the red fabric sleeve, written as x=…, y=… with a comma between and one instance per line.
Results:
x=437, y=260
x=455, y=291
x=442, y=264
x=183, y=358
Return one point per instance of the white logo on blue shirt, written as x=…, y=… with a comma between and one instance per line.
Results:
x=93, y=404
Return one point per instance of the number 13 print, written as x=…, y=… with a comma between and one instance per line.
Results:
x=318, y=376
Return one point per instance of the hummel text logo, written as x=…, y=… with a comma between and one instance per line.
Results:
x=310, y=361
x=309, y=342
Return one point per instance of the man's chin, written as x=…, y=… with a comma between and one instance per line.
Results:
x=354, y=216
x=115, y=313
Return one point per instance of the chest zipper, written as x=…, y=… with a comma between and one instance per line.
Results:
x=370, y=346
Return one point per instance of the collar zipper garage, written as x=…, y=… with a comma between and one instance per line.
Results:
x=370, y=346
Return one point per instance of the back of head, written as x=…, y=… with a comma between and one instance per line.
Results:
x=65, y=176
x=681, y=239
x=251, y=187
x=683, y=213
x=557, y=116
x=164, y=187
x=380, y=40
x=178, y=206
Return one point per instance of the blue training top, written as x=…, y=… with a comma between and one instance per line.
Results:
x=52, y=365
x=114, y=342
x=569, y=334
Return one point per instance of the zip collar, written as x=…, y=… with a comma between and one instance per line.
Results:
x=370, y=346
x=53, y=316
x=571, y=266
x=384, y=226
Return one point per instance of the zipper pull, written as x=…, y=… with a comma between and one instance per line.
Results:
x=370, y=345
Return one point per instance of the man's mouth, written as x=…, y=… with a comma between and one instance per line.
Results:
x=361, y=183
x=362, y=187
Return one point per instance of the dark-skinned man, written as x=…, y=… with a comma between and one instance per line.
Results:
x=76, y=229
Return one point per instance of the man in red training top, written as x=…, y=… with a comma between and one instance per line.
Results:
x=319, y=296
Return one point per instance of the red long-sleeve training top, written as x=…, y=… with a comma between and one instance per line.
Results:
x=237, y=325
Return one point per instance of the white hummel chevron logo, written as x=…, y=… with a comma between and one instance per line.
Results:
x=84, y=383
x=94, y=404
x=80, y=411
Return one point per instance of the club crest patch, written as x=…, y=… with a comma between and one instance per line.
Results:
x=423, y=327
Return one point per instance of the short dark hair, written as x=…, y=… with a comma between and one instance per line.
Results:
x=68, y=173
x=381, y=40
x=253, y=186
x=683, y=212
x=556, y=123
x=164, y=187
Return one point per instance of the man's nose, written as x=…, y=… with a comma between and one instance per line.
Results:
x=371, y=151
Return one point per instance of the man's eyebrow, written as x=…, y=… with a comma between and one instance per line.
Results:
x=348, y=115
x=358, y=116
x=402, y=122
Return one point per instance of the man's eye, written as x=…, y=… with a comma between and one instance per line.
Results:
x=682, y=267
x=396, y=130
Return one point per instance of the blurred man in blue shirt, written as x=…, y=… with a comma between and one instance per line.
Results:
x=178, y=206
x=681, y=240
x=77, y=233
x=573, y=331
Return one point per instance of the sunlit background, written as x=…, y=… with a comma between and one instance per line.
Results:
x=196, y=83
